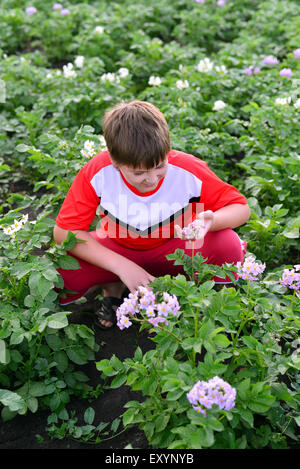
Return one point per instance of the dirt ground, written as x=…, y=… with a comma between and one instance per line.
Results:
x=20, y=433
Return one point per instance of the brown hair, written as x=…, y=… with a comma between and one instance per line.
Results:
x=136, y=134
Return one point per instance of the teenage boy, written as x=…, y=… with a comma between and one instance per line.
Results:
x=143, y=189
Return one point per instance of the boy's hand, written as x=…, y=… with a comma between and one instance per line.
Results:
x=197, y=234
x=134, y=276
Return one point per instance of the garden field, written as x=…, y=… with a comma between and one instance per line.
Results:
x=223, y=371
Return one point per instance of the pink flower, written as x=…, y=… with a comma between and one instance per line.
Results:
x=252, y=70
x=221, y=3
x=144, y=301
x=286, y=72
x=57, y=6
x=270, y=60
x=65, y=12
x=250, y=270
x=291, y=278
x=297, y=53
x=216, y=391
x=31, y=11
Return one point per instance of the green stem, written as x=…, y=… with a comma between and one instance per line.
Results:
x=18, y=248
x=193, y=271
x=171, y=333
x=293, y=299
x=160, y=327
x=248, y=288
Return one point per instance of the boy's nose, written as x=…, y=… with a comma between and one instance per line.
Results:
x=151, y=180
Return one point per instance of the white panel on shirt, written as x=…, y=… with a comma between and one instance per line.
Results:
x=144, y=212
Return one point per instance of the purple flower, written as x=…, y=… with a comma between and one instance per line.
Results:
x=200, y=1
x=291, y=278
x=286, y=72
x=252, y=70
x=31, y=11
x=270, y=60
x=57, y=6
x=65, y=12
x=297, y=53
x=216, y=391
x=250, y=270
x=221, y=3
x=144, y=301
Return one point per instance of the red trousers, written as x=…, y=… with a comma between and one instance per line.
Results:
x=219, y=247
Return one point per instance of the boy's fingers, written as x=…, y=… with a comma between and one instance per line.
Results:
x=178, y=231
x=207, y=214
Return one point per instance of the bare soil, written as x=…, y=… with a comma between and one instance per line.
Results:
x=21, y=432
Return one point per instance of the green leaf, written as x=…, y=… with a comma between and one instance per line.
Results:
x=118, y=381
x=4, y=353
x=37, y=389
x=77, y=355
x=57, y=321
x=115, y=424
x=33, y=404
x=33, y=282
x=89, y=415
x=68, y=263
x=22, y=148
x=174, y=395
x=221, y=340
x=12, y=400
x=128, y=416
x=54, y=341
x=247, y=416
x=203, y=437
x=61, y=360
x=50, y=275
x=161, y=422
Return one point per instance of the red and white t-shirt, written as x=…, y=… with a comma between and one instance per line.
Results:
x=143, y=220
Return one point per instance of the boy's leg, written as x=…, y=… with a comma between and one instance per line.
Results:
x=88, y=276
x=219, y=247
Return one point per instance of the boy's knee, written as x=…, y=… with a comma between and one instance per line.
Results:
x=222, y=247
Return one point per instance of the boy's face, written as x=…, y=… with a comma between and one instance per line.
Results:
x=144, y=180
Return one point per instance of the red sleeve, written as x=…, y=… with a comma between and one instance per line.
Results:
x=215, y=193
x=79, y=207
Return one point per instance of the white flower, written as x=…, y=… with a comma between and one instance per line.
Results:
x=297, y=104
x=182, y=84
x=99, y=30
x=79, y=61
x=49, y=75
x=88, y=150
x=9, y=231
x=219, y=105
x=24, y=219
x=123, y=72
x=68, y=71
x=17, y=225
x=221, y=69
x=111, y=77
x=205, y=65
x=102, y=143
x=154, y=81
x=283, y=101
